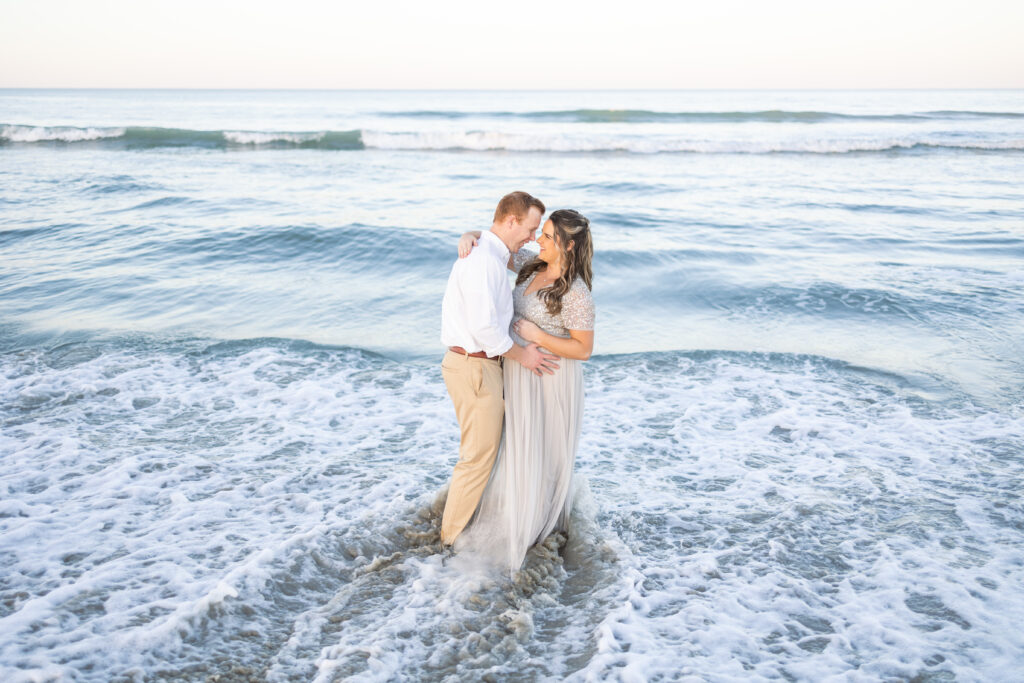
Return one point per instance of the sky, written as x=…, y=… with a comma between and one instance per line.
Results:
x=526, y=44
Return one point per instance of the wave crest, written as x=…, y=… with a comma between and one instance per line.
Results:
x=652, y=116
x=650, y=144
x=14, y=133
x=131, y=137
x=140, y=137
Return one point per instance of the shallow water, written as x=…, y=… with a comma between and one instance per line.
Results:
x=224, y=439
x=269, y=509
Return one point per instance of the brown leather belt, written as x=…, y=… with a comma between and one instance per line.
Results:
x=478, y=354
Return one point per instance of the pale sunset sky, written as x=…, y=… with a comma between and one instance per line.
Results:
x=525, y=44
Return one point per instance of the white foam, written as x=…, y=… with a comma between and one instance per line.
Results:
x=735, y=516
x=648, y=143
x=161, y=533
x=57, y=133
x=781, y=541
x=265, y=138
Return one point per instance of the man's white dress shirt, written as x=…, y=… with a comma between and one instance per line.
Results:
x=477, y=307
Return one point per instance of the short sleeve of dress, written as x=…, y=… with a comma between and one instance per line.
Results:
x=521, y=258
x=578, y=308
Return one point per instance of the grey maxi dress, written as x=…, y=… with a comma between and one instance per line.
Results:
x=529, y=493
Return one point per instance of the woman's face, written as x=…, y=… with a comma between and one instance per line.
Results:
x=549, y=252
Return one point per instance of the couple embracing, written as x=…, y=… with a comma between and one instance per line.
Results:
x=513, y=372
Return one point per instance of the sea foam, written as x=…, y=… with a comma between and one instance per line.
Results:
x=12, y=133
x=272, y=508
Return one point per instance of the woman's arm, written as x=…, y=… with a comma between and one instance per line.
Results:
x=467, y=242
x=578, y=345
x=471, y=239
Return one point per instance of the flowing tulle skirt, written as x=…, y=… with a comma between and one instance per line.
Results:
x=528, y=494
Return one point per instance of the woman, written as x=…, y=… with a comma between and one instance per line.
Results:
x=528, y=495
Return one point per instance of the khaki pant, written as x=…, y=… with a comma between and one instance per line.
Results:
x=475, y=385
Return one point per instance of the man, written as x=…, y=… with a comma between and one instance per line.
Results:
x=475, y=318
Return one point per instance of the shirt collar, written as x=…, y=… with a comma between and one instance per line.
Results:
x=496, y=244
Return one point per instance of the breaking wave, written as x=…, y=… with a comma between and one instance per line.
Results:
x=131, y=137
x=136, y=137
x=648, y=116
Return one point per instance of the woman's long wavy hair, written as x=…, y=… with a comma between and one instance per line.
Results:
x=572, y=239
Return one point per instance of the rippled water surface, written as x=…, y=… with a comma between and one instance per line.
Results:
x=225, y=438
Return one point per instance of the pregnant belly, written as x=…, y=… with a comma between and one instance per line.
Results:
x=522, y=342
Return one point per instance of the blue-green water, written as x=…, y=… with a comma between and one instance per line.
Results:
x=224, y=428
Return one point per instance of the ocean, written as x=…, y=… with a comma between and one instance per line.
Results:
x=224, y=435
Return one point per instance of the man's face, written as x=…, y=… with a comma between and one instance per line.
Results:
x=525, y=230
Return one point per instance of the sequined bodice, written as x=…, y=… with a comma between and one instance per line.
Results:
x=577, y=305
x=533, y=308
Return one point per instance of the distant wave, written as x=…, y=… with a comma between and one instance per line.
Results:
x=648, y=116
x=131, y=137
x=956, y=114
x=138, y=137
x=648, y=144
x=56, y=133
